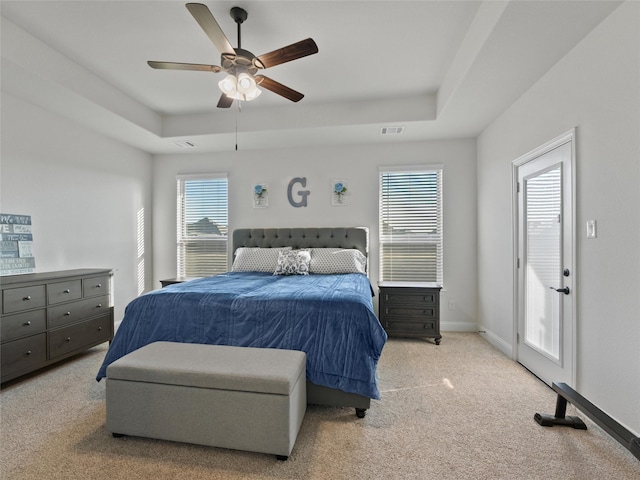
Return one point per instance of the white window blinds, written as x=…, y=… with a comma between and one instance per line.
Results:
x=202, y=224
x=411, y=225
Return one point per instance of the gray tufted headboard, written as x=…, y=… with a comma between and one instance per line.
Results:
x=340, y=237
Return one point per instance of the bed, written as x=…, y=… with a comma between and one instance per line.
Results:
x=325, y=311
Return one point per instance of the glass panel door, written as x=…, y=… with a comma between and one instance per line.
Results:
x=542, y=196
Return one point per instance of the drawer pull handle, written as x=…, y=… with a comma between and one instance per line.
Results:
x=99, y=285
x=99, y=329
x=27, y=298
x=99, y=305
x=67, y=314
x=27, y=323
x=28, y=352
x=68, y=339
x=67, y=291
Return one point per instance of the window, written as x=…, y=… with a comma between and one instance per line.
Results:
x=202, y=225
x=411, y=224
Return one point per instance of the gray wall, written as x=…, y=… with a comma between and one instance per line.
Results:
x=594, y=88
x=358, y=164
x=89, y=197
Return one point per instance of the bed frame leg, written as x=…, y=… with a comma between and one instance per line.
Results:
x=361, y=412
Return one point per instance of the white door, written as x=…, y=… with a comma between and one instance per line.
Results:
x=545, y=263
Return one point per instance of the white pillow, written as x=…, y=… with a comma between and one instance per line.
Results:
x=337, y=260
x=256, y=259
x=293, y=262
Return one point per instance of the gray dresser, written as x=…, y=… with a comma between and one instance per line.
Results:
x=47, y=317
x=410, y=309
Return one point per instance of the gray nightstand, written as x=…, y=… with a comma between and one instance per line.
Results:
x=171, y=281
x=410, y=309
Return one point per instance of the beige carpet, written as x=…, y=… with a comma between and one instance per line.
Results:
x=460, y=410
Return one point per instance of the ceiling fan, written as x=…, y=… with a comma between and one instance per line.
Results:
x=241, y=83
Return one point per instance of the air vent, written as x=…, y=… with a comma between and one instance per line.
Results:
x=391, y=130
x=184, y=144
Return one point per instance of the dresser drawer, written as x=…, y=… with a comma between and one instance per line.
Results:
x=95, y=286
x=23, y=298
x=23, y=324
x=75, y=311
x=413, y=296
x=79, y=336
x=24, y=354
x=64, y=291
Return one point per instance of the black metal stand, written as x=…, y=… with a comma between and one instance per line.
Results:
x=560, y=417
x=604, y=421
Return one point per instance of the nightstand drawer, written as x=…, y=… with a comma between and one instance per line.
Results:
x=407, y=296
x=412, y=328
x=23, y=324
x=400, y=311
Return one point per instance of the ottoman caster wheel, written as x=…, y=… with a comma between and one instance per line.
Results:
x=361, y=412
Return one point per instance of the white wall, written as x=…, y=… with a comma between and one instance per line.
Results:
x=83, y=192
x=595, y=88
x=359, y=165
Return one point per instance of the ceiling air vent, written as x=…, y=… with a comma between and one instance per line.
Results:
x=184, y=144
x=391, y=130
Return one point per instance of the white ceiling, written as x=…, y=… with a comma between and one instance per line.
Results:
x=442, y=69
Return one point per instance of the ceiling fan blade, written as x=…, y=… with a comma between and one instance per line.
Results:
x=277, y=87
x=184, y=66
x=224, y=102
x=286, y=54
x=205, y=18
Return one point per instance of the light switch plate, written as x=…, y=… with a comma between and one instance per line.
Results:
x=591, y=229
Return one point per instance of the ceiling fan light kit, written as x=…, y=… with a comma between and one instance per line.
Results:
x=242, y=87
x=241, y=66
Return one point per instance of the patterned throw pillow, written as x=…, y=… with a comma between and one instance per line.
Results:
x=255, y=259
x=293, y=262
x=337, y=260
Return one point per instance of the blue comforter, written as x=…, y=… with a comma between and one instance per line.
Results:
x=330, y=317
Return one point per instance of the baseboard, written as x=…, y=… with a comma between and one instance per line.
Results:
x=497, y=342
x=458, y=327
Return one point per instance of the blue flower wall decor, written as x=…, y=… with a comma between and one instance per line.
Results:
x=260, y=196
x=339, y=192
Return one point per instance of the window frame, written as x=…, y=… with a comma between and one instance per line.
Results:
x=182, y=238
x=386, y=272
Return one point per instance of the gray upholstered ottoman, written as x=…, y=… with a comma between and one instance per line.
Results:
x=242, y=398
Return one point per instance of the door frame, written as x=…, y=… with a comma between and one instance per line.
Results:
x=568, y=137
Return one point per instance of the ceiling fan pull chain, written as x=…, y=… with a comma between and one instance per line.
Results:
x=238, y=110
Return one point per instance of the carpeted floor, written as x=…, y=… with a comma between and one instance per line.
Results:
x=460, y=410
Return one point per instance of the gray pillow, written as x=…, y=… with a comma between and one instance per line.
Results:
x=293, y=262
x=256, y=259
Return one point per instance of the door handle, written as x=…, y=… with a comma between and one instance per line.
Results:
x=564, y=290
